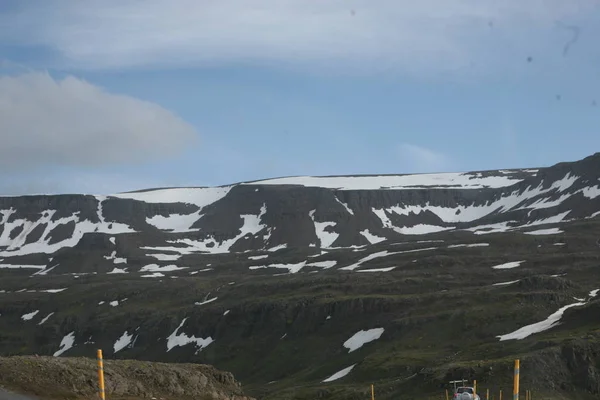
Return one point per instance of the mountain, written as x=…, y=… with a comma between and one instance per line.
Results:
x=404, y=281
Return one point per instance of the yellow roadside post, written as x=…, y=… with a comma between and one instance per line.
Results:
x=474, y=387
x=487, y=394
x=516, y=380
x=372, y=392
x=100, y=375
x=447, y=396
x=500, y=398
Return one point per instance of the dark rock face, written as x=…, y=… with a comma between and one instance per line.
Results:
x=271, y=280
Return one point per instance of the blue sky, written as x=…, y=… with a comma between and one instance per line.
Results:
x=120, y=95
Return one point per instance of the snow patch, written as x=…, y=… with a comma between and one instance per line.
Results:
x=66, y=344
x=344, y=205
x=550, y=322
x=339, y=374
x=153, y=275
x=46, y=318
x=373, y=239
x=116, y=270
x=206, y=301
x=323, y=264
x=549, y=231
x=179, y=340
x=326, y=238
x=122, y=342
x=505, y=283
x=388, y=269
x=251, y=226
x=361, y=338
x=508, y=265
x=165, y=257
x=158, y=268
x=29, y=317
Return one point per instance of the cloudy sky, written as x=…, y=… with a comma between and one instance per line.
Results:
x=102, y=96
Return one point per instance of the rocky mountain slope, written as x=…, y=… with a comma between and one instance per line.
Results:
x=319, y=286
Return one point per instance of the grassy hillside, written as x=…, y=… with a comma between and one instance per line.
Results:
x=282, y=335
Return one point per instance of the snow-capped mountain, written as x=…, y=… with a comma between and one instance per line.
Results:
x=295, y=212
x=320, y=282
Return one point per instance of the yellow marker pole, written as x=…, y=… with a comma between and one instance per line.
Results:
x=100, y=375
x=500, y=398
x=487, y=394
x=474, y=387
x=372, y=392
x=447, y=396
x=516, y=381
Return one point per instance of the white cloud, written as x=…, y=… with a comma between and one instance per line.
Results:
x=412, y=36
x=72, y=122
x=422, y=160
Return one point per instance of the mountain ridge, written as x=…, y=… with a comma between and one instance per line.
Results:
x=269, y=280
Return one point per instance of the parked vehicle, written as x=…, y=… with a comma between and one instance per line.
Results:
x=465, y=393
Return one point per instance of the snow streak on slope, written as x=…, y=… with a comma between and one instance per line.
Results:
x=201, y=303
x=323, y=264
x=326, y=238
x=200, y=197
x=373, y=239
x=46, y=318
x=388, y=269
x=360, y=338
x=508, y=265
x=538, y=327
x=469, y=213
x=292, y=268
x=18, y=246
x=549, y=231
x=505, y=283
x=116, y=260
x=164, y=268
x=252, y=225
x=429, y=181
x=29, y=317
x=339, y=374
x=181, y=339
x=380, y=254
x=367, y=258
x=345, y=206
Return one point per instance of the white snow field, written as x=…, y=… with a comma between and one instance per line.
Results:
x=395, y=182
x=360, y=338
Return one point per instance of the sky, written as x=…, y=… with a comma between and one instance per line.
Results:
x=106, y=96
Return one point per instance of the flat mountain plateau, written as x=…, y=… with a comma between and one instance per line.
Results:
x=318, y=287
